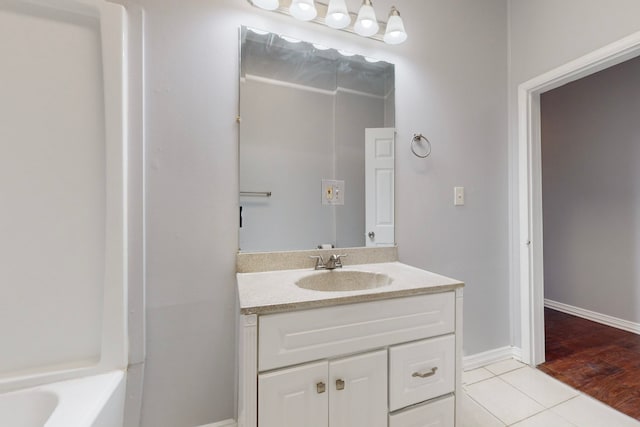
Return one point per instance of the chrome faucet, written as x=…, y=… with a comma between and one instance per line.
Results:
x=335, y=261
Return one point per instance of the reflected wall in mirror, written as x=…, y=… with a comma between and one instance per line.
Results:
x=304, y=115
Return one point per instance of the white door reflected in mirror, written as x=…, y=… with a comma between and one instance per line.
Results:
x=379, y=186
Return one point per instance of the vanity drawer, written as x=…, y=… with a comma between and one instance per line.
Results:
x=296, y=337
x=420, y=371
x=440, y=413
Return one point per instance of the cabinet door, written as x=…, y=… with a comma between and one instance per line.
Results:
x=294, y=397
x=358, y=395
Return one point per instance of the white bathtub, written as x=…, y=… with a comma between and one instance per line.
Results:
x=95, y=401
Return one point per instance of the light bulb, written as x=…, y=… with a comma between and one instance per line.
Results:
x=267, y=4
x=337, y=14
x=259, y=32
x=303, y=10
x=395, y=33
x=366, y=24
x=345, y=53
x=290, y=39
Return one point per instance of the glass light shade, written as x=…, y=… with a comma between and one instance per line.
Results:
x=304, y=10
x=395, y=33
x=366, y=24
x=267, y=4
x=337, y=14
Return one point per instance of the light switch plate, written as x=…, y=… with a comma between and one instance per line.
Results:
x=332, y=192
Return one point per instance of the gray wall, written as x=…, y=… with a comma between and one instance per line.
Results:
x=292, y=138
x=287, y=148
x=450, y=75
x=591, y=192
x=354, y=113
x=543, y=35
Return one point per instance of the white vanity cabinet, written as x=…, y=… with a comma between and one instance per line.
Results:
x=392, y=362
x=345, y=392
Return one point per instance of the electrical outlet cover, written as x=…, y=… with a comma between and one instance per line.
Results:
x=332, y=192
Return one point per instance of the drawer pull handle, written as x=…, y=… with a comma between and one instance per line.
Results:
x=425, y=374
x=339, y=384
x=320, y=387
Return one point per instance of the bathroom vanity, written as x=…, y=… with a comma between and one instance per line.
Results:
x=381, y=346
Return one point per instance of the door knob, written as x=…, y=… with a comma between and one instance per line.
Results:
x=371, y=235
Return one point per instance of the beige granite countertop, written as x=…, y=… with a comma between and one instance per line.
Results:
x=276, y=291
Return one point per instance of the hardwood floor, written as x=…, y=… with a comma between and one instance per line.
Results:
x=599, y=360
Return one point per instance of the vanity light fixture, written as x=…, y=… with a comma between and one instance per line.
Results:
x=258, y=31
x=345, y=52
x=291, y=39
x=337, y=15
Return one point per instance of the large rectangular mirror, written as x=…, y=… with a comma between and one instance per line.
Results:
x=316, y=146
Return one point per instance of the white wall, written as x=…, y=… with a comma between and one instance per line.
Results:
x=544, y=34
x=591, y=192
x=450, y=85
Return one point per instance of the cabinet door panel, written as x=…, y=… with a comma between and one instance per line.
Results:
x=292, y=398
x=362, y=401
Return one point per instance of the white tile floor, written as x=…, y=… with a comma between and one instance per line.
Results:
x=509, y=393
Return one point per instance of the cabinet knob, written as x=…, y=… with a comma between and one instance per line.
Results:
x=339, y=384
x=371, y=235
x=425, y=374
x=321, y=387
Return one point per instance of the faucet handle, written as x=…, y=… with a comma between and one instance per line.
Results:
x=319, y=262
x=338, y=259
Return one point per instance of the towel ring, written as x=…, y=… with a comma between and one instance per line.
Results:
x=417, y=138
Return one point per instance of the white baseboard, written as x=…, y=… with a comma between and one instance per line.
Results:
x=492, y=356
x=593, y=316
x=225, y=423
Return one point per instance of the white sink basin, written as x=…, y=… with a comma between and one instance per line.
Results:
x=343, y=280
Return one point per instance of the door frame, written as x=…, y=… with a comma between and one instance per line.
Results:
x=529, y=189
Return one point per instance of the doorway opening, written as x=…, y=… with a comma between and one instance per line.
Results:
x=590, y=199
x=529, y=168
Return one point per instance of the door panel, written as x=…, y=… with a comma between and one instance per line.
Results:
x=379, y=186
x=358, y=396
x=294, y=397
